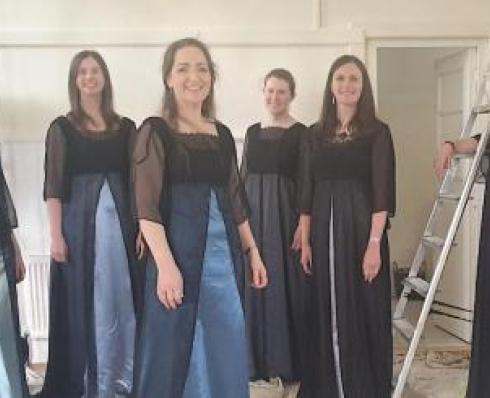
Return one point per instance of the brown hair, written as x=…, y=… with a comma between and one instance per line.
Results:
x=365, y=114
x=80, y=117
x=169, y=104
x=283, y=74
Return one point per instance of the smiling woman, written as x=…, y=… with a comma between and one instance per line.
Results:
x=93, y=290
x=269, y=171
x=192, y=211
x=347, y=194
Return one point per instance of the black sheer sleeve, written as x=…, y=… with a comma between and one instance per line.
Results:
x=305, y=176
x=55, y=163
x=383, y=172
x=147, y=174
x=7, y=208
x=236, y=190
x=243, y=164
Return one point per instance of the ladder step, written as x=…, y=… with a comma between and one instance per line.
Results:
x=449, y=196
x=463, y=156
x=417, y=284
x=482, y=109
x=433, y=241
x=404, y=327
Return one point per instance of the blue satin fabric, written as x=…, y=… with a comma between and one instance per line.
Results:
x=198, y=350
x=113, y=303
x=10, y=382
x=218, y=365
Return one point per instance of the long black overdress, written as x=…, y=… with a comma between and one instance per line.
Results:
x=275, y=315
x=77, y=166
x=180, y=173
x=344, y=182
x=479, y=380
x=8, y=221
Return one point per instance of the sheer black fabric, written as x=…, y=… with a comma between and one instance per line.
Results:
x=70, y=151
x=271, y=150
x=345, y=179
x=8, y=216
x=478, y=380
x=8, y=221
x=275, y=315
x=367, y=158
x=162, y=155
x=78, y=165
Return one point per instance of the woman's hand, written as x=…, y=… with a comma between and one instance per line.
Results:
x=59, y=249
x=20, y=269
x=140, y=246
x=372, y=261
x=296, y=246
x=257, y=267
x=306, y=258
x=443, y=161
x=170, y=286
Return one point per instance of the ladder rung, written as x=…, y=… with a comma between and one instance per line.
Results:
x=420, y=285
x=463, y=156
x=482, y=109
x=404, y=327
x=433, y=241
x=449, y=196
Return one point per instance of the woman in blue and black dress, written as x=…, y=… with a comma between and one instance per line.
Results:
x=347, y=195
x=12, y=371
x=192, y=211
x=269, y=170
x=93, y=292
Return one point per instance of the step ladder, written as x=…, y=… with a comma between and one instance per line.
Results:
x=442, y=245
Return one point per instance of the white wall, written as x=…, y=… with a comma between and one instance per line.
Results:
x=33, y=91
x=407, y=100
x=400, y=18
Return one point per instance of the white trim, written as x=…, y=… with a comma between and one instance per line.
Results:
x=428, y=30
x=161, y=37
x=481, y=44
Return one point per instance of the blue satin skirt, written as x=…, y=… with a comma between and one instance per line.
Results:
x=218, y=365
x=10, y=381
x=113, y=303
x=198, y=350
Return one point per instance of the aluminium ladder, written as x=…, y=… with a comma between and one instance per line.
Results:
x=429, y=240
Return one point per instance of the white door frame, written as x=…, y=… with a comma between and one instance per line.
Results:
x=480, y=44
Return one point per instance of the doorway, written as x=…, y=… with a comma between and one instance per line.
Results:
x=425, y=94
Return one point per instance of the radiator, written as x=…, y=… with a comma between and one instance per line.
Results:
x=34, y=306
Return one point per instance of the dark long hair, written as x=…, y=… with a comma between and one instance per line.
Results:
x=79, y=116
x=169, y=104
x=365, y=114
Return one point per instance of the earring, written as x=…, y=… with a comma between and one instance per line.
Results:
x=333, y=100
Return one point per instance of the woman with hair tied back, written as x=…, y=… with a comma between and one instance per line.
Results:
x=192, y=211
x=93, y=292
x=347, y=194
x=269, y=170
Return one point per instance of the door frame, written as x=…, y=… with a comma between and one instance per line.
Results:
x=480, y=44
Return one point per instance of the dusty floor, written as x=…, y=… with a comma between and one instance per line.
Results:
x=440, y=369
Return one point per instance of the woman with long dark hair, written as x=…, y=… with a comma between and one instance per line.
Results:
x=347, y=194
x=192, y=211
x=269, y=170
x=93, y=291
x=12, y=370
